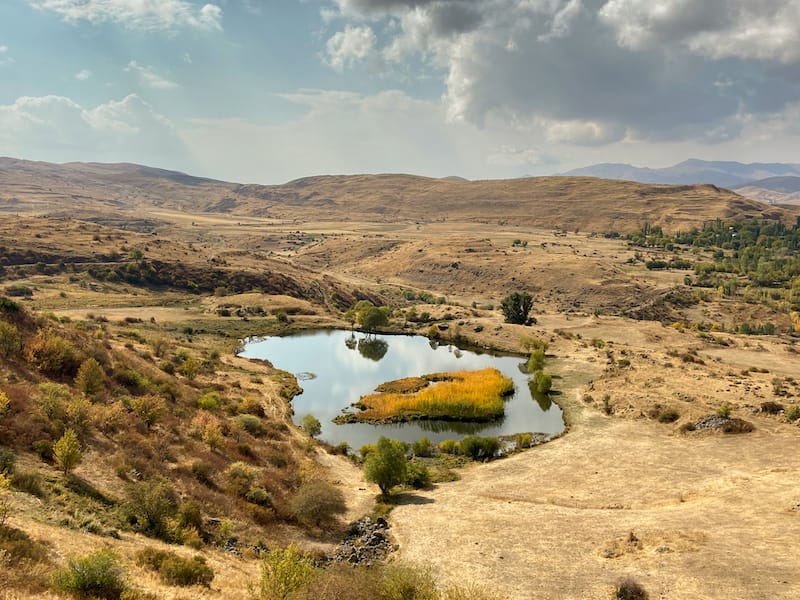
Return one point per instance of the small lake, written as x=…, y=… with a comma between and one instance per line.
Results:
x=335, y=368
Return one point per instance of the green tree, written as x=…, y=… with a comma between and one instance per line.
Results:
x=284, y=572
x=373, y=317
x=312, y=425
x=91, y=377
x=516, y=307
x=387, y=464
x=67, y=451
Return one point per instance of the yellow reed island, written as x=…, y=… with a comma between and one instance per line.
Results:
x=457, y=396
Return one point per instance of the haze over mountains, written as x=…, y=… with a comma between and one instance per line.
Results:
x=572, y=203
x=728, y=174
x=773, y=183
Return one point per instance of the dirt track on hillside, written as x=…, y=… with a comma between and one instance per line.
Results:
x=698, y=516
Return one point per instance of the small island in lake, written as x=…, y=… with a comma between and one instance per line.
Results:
x=457, y=396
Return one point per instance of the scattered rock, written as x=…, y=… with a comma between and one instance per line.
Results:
x=366, y=543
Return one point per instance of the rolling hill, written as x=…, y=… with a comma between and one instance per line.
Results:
x=573, y=203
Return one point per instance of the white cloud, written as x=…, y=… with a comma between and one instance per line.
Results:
x=83, y=75
x=582, y=133
x=349, y=46
x=3, y=49
x=59, y=129
x=597, y=72
x=149, y=78
x=5, y=59
x=762, y=30
x=136, y=14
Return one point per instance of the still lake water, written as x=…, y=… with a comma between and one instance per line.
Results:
x=335, y=368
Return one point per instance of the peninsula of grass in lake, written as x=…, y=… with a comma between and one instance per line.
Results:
x=457, y=396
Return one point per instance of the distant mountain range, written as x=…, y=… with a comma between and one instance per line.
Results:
x=726, y=174
x=772, y=183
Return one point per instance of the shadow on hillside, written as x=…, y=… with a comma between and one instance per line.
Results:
x=412, y=499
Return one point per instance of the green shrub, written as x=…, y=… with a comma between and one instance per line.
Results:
x=422, y=447
x=448, y=446
x=258, y=495
x=10, y=341
x=44, y=448
x=317, y=503
x=202, y=471
x=190, y=516
x=536, y=361
x=417, y=475
x=479, y=447
x=284, y=572
x=251, y=424
x=523, y=440
x=150, y=506
x=543, y=381
x=793, y=412
x=96, y=575
x=725, y=410
x=239, y=478
x=174, y=569
x=149, y=409
x=209, y=401
x=250, y=406
x=53, y=355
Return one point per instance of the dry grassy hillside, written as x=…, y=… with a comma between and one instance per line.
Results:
x=582, y=203
x=572, y=203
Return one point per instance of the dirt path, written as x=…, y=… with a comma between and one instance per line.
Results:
x=359, y=494
x=710, y=516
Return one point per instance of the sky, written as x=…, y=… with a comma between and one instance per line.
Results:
x=265, y=91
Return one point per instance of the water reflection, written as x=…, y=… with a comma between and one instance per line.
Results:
x=348, y=365
x=373, y=348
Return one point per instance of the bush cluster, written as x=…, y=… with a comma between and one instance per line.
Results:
x=174, y=569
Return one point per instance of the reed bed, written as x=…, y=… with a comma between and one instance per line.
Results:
x=457, y=396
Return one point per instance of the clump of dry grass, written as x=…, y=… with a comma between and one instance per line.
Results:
x=458, y=396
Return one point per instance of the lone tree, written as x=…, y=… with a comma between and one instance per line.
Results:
x=516, y=307
x=312, y=425
x=387, y=464
x=373, y=317
x=90, y=378
x=67, y=451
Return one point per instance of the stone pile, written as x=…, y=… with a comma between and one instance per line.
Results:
x=366, y=543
